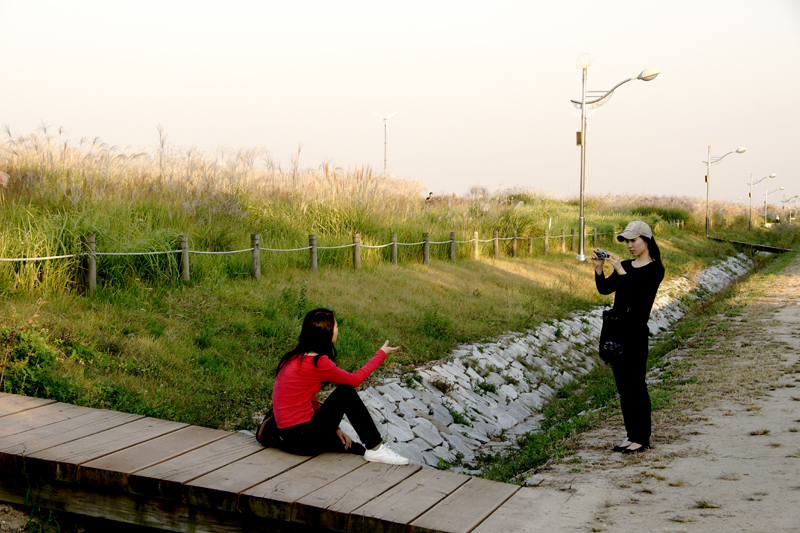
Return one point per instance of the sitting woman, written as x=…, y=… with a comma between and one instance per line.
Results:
x=304, y=426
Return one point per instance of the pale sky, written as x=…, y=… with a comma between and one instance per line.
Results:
x=481, y=89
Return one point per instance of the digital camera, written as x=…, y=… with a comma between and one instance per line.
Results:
x=602, y=254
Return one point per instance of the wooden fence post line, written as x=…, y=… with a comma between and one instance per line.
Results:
x=514, y=244
x=255, y=242
x=184, y=240
x=394, y=248
x=452, y=246
x=426, y=248
x=357, y=251
x=312, y=241
x=530, y=246
x=572, y=234
x=496, y=244
x=563, y=240
x=546, y=241
x=475, y=246
x=88, y=277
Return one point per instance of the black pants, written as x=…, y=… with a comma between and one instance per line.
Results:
x=629, y=374
x=318, y=435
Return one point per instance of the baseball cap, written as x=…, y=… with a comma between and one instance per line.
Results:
x=637, y=228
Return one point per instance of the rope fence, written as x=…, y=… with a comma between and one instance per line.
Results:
x=87, y=272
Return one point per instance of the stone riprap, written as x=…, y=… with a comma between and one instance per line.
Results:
x=483, y=396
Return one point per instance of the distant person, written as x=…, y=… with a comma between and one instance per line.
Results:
x=429, y=199
x=306, y=427
x=635, y=282
x=777, y=219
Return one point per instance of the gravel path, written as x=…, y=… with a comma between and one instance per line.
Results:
x=727, y=458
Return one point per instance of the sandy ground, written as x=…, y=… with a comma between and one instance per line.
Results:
x=726, y=459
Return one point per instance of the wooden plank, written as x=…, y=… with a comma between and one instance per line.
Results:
x=524, y=512
x=464, y=509
x=273, y=498
x=220, y=489
x=112, y=471
x=41, y=416
x=329, y=507
x=134, y=509
x=14, y=403
x=165, y=480
x=61, y=462
x=393, y=510
x=13, y=447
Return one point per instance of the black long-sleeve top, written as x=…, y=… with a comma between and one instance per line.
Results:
x=636, y=290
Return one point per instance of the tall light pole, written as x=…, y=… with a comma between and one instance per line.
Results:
x=751, y=194
x=385, y=136
x=790, y=200
x=597, y=98
x=766, y=194
x=714, y=161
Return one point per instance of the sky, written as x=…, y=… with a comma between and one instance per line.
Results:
x=481, y=89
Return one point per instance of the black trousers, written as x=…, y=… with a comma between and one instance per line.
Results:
x=629, y=374
x=318, y=435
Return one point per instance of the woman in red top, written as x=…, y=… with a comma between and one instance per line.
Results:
x=304, y=426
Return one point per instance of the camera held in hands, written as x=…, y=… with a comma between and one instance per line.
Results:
x=602, y=254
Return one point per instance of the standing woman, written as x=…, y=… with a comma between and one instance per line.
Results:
x=304, y=426
x=635, y=282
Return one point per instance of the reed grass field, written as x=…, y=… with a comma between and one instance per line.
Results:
x=204, y=351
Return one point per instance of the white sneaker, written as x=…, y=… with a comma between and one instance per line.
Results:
x=384, y=455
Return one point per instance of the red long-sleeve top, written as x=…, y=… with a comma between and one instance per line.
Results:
x=299, y=381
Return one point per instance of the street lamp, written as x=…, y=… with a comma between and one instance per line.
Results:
x=385, y=136
x=714, y=161
x=789, y=201
x=751, y=194
x=766, y=194
x=597, y=98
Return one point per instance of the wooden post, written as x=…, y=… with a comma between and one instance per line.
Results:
x=255, y=242
x=475, y=246
x=530, y=246
x=572, y=234
x=546, y=241
x=514, y=244
x=563, y=240
x=452, y=246
x=357, y=251
x=394, y=248
x=88, y=276
x=184, y=240
x=312, y=241
x=426, y=248
x=594, y=239
x=496, y=244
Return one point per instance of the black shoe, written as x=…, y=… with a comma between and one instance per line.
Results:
x=619, y=448
x=637, y=450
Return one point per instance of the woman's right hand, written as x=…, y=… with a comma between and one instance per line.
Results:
x=389, y=349
x=598, y=263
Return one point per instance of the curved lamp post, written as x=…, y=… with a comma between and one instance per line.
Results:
x=789, y=201
x=385, y=136
x=766, y=195
x=714, y=161
x=751, y=194
x=596, y=99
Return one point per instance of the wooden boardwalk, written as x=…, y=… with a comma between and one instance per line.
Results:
x=177, y=477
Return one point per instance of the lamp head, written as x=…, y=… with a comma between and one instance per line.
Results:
x=781, y=188
x=772, y=175
x=649, y=74
x=741, y=150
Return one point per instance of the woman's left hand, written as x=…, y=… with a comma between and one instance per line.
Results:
x=389, y=349
x=615, y=261
x=345, y=438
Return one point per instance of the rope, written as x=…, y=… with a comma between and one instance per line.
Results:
x=40, y=258
x=220, y=253
x=378, y=246
x=290, y=250
x=335, y=247
x=410, y=243
x=136, y=253
x=438, y=242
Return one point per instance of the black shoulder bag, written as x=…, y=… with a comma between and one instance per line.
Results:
x=267, y=433
x=612, y=335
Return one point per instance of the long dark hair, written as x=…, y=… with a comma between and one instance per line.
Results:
x=652, y=248
x=316, y=336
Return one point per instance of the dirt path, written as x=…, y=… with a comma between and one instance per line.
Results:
x=727, y=458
